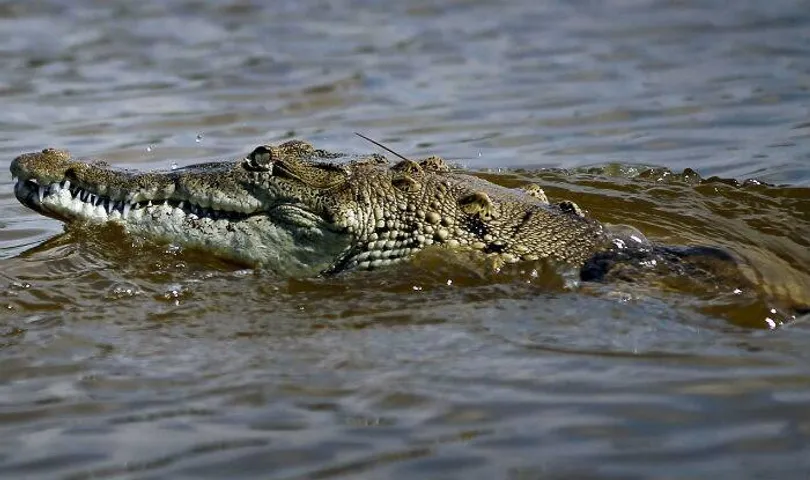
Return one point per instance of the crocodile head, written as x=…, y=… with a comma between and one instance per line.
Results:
x=293, y=209
x=272, y=208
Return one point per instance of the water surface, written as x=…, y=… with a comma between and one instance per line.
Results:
x=121, y=358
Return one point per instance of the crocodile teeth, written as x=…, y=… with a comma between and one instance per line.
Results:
x=109, y=205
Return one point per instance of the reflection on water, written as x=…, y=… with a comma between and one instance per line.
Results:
x=122, y=358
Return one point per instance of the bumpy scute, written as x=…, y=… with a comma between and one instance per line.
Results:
x=478, y=204
x=408, y=167
x=434, y=164
x=534, y=191
x=374, y=160
x=405, y=183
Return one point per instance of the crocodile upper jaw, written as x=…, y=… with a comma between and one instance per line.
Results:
x=65, y=201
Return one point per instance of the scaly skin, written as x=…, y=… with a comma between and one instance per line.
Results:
x=294, y=209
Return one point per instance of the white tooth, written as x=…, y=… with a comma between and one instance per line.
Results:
x=54, y=188
x=67, y=184
x=40, y=192
x=149, y=203
x=180, y=205
x=126, y=209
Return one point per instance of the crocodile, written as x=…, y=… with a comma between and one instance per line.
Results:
x=296, y=209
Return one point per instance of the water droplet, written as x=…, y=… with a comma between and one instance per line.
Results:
x=175, y=166
x=199, y=138
x=149, y=148
x=480, y=154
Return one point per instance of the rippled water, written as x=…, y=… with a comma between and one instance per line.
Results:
x=120, y=358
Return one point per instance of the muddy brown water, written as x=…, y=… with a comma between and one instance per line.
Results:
x=124, y=358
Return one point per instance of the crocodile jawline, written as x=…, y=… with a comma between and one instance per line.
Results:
x=34, y=195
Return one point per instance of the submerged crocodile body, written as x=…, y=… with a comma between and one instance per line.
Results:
x=296, y=209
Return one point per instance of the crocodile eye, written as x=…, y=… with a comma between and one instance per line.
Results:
x=260, y=159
